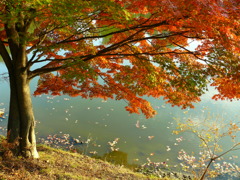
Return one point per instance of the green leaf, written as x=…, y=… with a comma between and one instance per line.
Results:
x=107, y=30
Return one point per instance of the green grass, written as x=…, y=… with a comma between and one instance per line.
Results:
x=63, y=165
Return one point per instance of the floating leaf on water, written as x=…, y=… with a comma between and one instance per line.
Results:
x=2, y=112
x=150, y=137
x=93, y=152
x=168, y=148
x=137, y=124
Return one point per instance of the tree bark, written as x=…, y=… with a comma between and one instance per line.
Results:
x=21, y=123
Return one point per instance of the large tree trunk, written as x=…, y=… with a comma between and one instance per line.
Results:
x=21, y=123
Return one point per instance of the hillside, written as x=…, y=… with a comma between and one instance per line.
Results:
x=59, y=164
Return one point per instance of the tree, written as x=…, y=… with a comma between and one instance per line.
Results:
x=210, y=132
x=111, y=49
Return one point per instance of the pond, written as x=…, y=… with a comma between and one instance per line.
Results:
x=100, y=122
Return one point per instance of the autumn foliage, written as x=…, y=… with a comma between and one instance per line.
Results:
x=128, y=49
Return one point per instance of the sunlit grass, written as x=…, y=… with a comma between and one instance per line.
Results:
x=60, y=164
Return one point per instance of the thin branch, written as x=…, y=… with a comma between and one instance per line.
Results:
x=194, y=53
x=43, y=70
x=139, y=26
x=231, y=149
x=40, y=41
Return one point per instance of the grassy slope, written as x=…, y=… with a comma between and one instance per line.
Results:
x=58, y=164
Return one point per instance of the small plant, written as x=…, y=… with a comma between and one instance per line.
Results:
x=210, y=161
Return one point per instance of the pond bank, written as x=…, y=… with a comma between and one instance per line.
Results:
x=59, y=164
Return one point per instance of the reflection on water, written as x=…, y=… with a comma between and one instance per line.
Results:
x=103, y=121
x=118, y=157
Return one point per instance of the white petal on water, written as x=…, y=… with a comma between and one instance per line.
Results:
x=168, y=148
x=137, y=124
x=144, y=127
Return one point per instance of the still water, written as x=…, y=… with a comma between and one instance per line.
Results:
x=99, y=122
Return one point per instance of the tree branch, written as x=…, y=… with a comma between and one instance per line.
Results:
x=42, y=70
x=6, y=58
